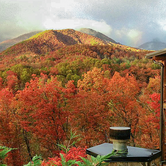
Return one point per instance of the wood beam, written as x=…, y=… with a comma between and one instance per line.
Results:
x=161, y=57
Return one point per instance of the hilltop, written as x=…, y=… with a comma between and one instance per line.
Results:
x=51, y=40
x=8, y=43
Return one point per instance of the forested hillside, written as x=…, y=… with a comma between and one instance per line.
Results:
x=60, y=81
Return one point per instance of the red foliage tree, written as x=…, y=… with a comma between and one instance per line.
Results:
x=12, y=80
x=151, y=122
x=9, y=131
x=150, y=99
x=42, y=110
x=73, y=154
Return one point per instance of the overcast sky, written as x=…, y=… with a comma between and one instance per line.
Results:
x=130, y=22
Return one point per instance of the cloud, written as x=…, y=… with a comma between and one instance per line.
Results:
x=126, y=21
x=162, y=24
x=76, y=23
x=131, y=37
x=18, y=17
x=124, y=16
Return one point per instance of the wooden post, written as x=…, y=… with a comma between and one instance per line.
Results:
x=161, y=56
x=163, y=157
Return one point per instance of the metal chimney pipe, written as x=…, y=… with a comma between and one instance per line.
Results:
x=119, y=136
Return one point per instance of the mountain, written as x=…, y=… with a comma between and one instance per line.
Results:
x=50, y=47
x=153, y=45
x=97, y=34
x=51, y=40
x=7, y=43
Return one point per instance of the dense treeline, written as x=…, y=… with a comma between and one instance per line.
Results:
x=41, y=115
x=82, y=88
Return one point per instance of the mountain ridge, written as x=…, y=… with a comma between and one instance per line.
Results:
x=97, y=34
x=153, y=45
x=8, y=43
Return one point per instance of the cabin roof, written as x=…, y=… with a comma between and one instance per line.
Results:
x=135, y=154
x=157, y=55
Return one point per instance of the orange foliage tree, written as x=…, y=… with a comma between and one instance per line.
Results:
x=123, y=92
x=90, y=108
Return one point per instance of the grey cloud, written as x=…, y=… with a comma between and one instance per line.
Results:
x=138, y=14
x=18, y=17
x=22, y=16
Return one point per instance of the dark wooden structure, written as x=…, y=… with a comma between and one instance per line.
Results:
x=135, y=157
x=123, y=154
x=160, y=58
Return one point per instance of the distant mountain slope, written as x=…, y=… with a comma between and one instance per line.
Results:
x=7, y=43
x=153, y=45
x=51, y=40
x=96, y=34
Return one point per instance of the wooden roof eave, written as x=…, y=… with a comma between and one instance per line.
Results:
x=157, y=55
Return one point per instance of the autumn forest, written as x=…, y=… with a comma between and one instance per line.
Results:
x=63, y=81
